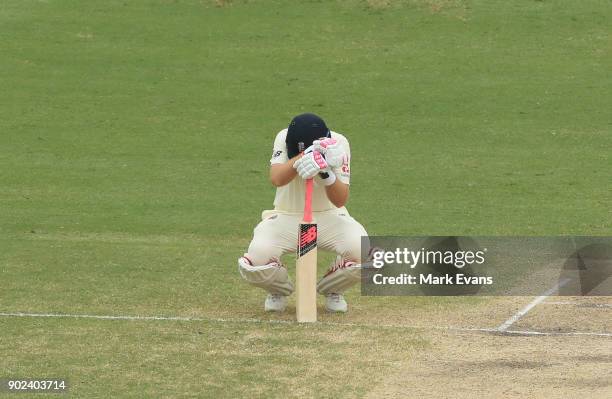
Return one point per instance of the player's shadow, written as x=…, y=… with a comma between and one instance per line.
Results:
x=587, y=271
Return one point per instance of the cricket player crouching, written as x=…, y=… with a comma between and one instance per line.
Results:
x=277, y=233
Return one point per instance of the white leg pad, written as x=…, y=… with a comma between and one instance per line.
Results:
x=271, y=277
x=340, y=277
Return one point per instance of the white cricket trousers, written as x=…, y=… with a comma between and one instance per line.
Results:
x=277, y=234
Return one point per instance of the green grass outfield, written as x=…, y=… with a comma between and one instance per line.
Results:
x=134, y=147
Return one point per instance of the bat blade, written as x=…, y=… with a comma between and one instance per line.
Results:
x=306, y=273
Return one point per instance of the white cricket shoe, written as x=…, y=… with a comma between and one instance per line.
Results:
x=275, y=303
x=335, y=303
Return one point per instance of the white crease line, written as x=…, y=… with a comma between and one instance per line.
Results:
x=580, y=304
x=552, y=333
x=505, y=325
x=125, y=317
x=329, y=323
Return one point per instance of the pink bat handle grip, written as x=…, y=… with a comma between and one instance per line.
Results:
x=308, y=202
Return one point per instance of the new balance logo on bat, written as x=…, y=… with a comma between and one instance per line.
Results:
x=308, y=238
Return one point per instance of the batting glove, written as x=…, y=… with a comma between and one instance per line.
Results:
x=332, y=150
x=310, y=164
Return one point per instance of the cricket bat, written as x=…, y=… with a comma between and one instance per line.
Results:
x=306, y=264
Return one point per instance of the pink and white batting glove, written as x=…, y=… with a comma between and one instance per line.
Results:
x=310, y=164
x=331, y=149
